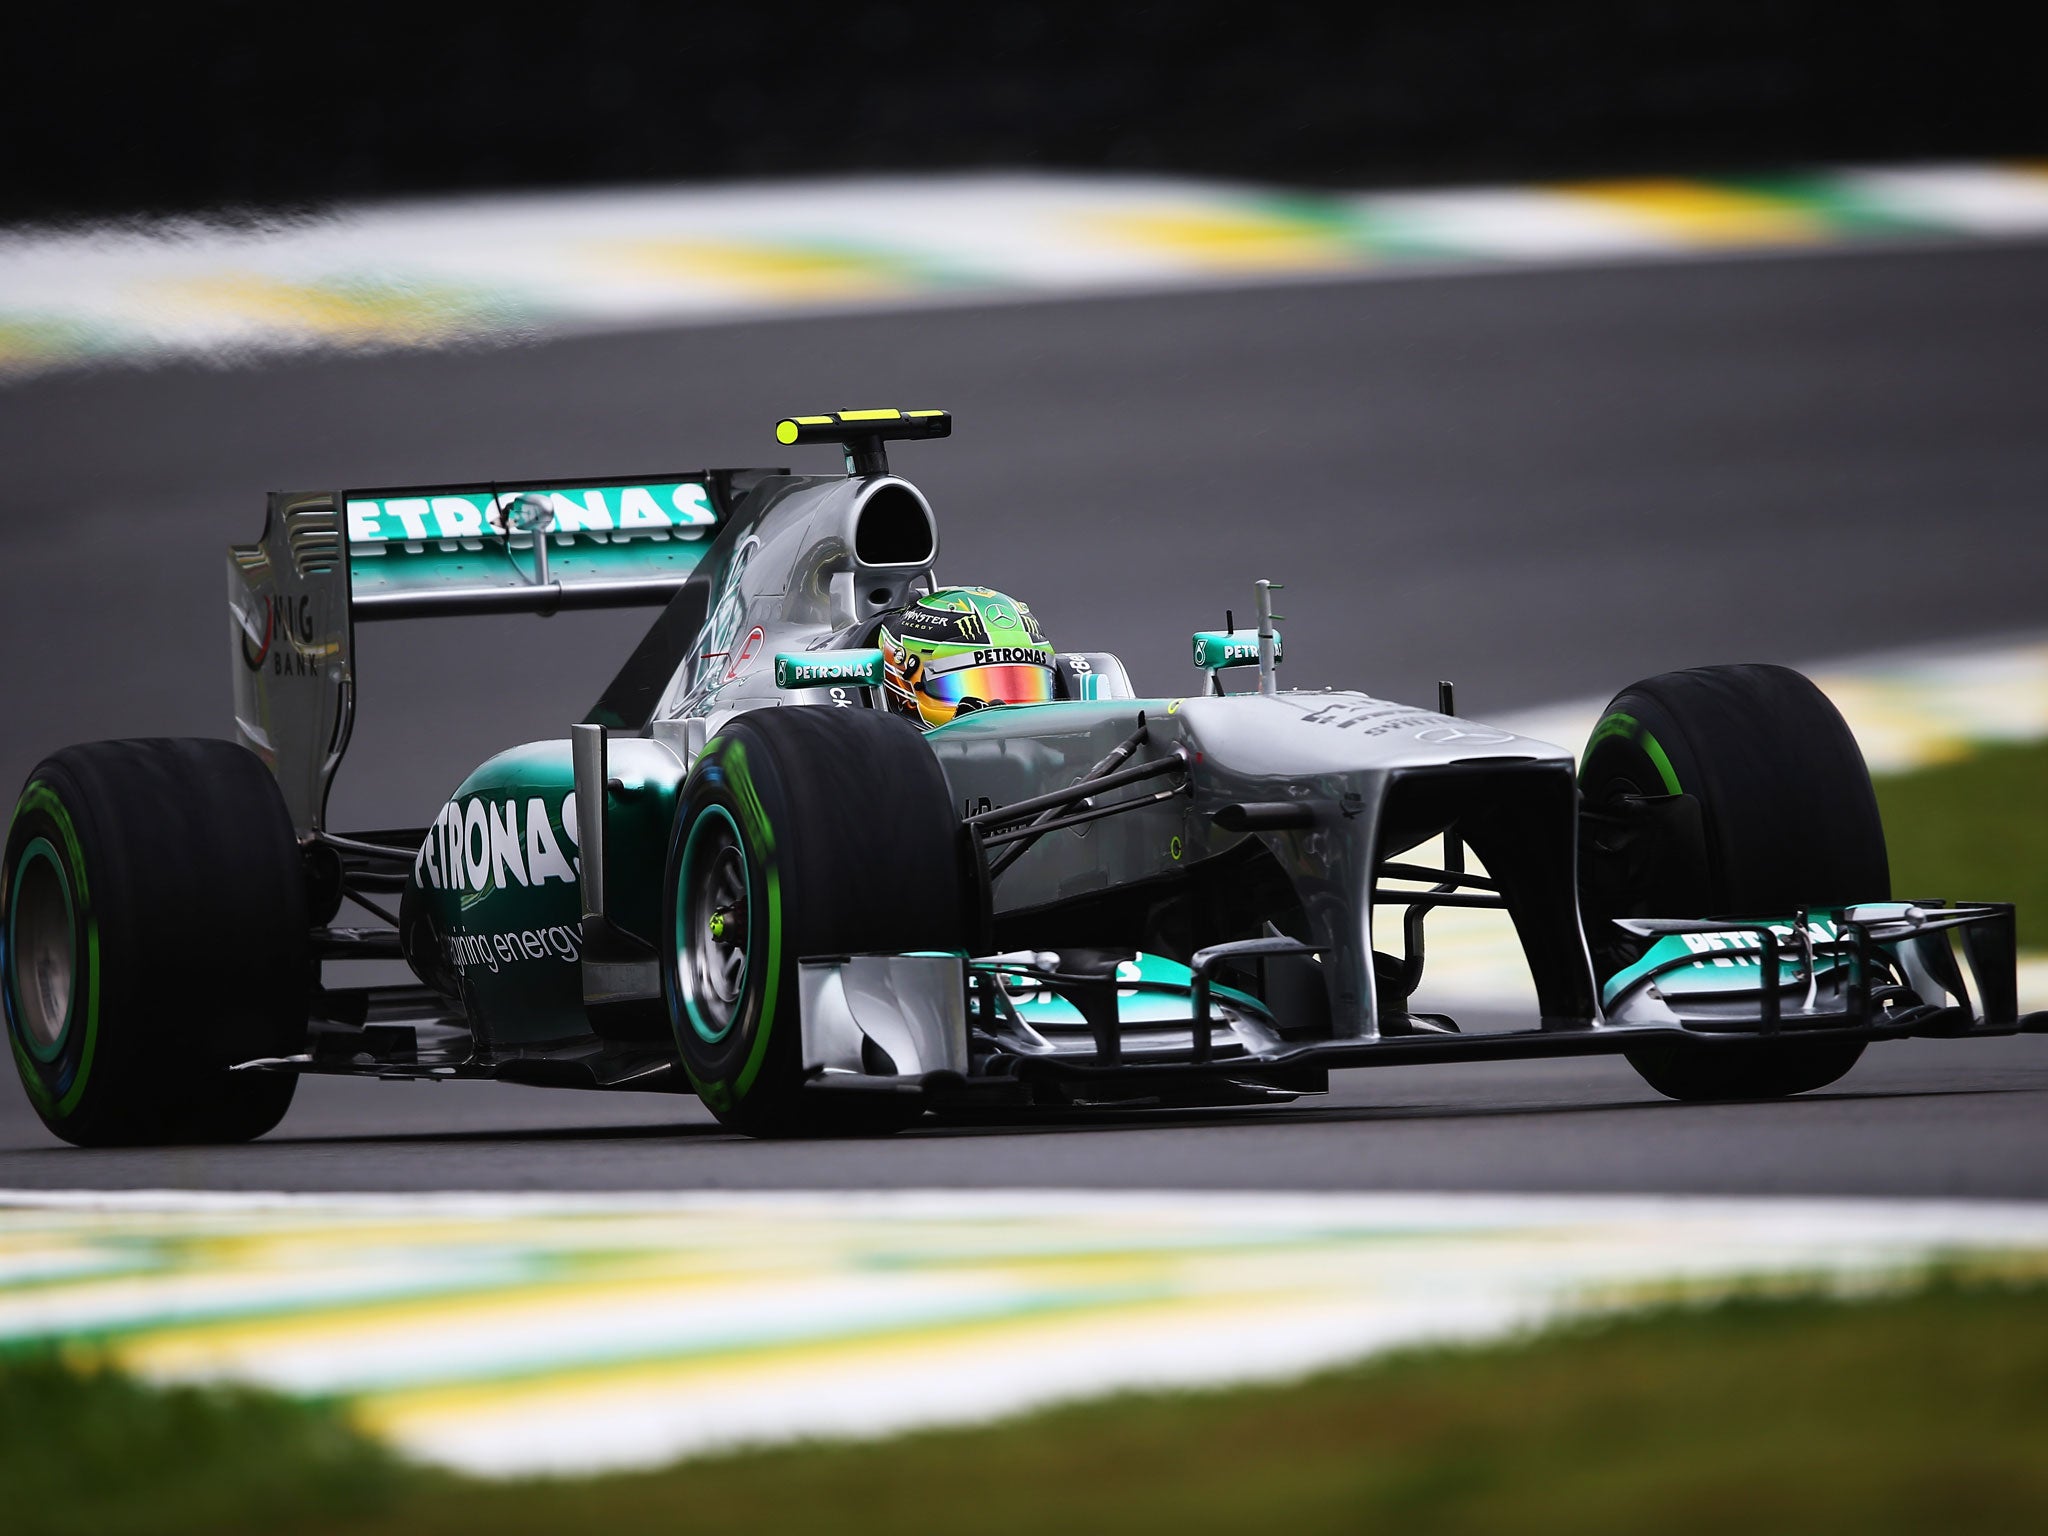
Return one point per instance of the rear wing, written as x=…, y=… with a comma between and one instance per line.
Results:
x=329, y=560
x=434, y=551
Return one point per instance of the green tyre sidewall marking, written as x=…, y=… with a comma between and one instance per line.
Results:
x=757, y=838
x=1657, y=755
x=1630, y=729
x=59, y=1099
x=755, y=818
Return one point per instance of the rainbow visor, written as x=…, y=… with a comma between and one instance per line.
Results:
x=1016, y=683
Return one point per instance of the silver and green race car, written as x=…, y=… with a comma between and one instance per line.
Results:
x=757, y=873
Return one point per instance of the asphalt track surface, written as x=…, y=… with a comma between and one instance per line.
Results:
x=1540, y=484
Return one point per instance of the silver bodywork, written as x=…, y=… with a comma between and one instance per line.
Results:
x=1339, y=754
x=288, y=642
x=787, y=576
x=912, y=1008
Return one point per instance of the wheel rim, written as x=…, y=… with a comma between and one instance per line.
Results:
x=41, y=955
x=713, y=925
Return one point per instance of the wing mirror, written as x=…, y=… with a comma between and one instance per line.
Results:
x=1216, y=650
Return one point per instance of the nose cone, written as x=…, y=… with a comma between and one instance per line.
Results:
x=1293, y=734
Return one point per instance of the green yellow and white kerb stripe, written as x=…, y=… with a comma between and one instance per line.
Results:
x=429, y=275
x=528, y=1335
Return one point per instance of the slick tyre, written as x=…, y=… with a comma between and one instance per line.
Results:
x=153, y=909
x=1787, y=819
x=802, y=831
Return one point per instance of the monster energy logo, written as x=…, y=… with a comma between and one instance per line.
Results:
x=920, y=623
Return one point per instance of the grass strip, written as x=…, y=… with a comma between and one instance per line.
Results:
x=87, y=1451
x=1974, y=830
x=1911, y=1413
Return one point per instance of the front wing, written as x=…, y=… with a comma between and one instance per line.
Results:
x=958, y=1031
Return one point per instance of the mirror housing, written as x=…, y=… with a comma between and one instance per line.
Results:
x=1215, y=650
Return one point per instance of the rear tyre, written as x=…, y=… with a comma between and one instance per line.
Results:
x=152, y=907
x=802, y=831
x=1787, y=819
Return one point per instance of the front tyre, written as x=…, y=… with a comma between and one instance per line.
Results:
x=1787, y=819
x=1710, y=1071
x=802, y=831
x=153, y=916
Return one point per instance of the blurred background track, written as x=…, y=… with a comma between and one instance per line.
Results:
x=496, y=269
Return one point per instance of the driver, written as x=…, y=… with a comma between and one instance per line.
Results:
x=962, y=649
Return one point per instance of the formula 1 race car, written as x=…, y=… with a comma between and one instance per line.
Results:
x=839, y=847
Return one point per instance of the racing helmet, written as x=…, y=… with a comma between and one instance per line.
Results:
x=962, y=649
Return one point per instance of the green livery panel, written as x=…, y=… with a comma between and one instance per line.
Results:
x=1215, y=650
x=1731, y=961
x=482, y=537
x=496, y=882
